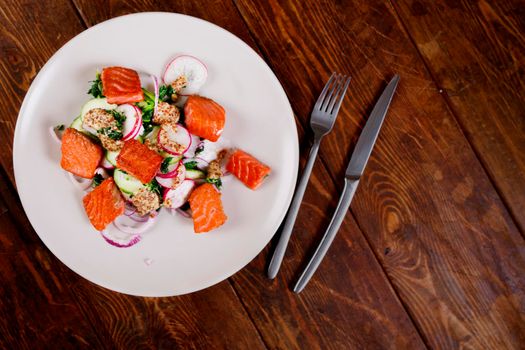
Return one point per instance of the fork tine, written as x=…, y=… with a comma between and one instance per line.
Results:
x=337, y=103
x=330, y=95
x=323, y=93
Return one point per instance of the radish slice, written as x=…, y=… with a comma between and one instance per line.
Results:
x=133, y=121
x=175, y=180
x=191, y=68
x=174, y=140
x=175, y=198
x=120, y=239
x=195, y=141
x=173, y=169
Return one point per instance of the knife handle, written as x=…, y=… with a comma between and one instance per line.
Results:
x=278, y=254
x=335, y=223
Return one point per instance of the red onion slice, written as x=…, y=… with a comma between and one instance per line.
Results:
x=130, y=226
x=119, y=239
x=156, y=92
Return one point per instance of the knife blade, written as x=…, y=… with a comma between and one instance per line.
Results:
x=368, y=136
x=354, y=171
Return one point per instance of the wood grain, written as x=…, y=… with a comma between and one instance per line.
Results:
x=428, y=219
x=31, y=31
x=36, y=306
x=348, y=311
x=425, y=204
x=484, y=86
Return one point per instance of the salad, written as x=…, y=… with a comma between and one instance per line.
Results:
x=141, y=145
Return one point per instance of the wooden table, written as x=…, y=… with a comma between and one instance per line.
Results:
x=432, y=253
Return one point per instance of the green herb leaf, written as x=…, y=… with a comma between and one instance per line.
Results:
x=191, y=165
x=112, y=134
x=60, y=127
x=119, y=117
x=165, y=92
x=96, y=87
x=97, y=180
x=165, y=164
x=217, y=182
x=154, y=187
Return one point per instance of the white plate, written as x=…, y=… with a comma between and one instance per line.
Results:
x=259, y=120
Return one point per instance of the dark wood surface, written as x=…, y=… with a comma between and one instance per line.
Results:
x=432, y=251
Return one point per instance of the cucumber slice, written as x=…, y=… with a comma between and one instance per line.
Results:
x=112, y=157
x=95, y=103
x=152, y=135
x=77, y=124
x=127, y=183
x=194, y=174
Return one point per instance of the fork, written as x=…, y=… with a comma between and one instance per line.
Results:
x=322, y=121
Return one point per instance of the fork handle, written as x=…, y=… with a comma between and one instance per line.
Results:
x=333, y=228
x=278, y=254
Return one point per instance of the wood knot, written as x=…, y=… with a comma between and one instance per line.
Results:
x=392, y=222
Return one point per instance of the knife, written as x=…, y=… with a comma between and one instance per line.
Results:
x=354, y=171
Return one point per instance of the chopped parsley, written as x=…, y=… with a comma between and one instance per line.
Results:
x=111, y=133
x=165, y=164
x=217, y=182
x=97, y=180
x=165, y=92
x=191, y=165
x=60, y=127
x=96, y=87
x=154, y=187
x=119, y=117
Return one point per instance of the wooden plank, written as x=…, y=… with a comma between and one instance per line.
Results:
x=476, y=53
x=368, y=313
x=425, y=203
x=36, y=306
x=31, y=33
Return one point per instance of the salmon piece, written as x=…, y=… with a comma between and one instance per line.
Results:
x=206, y=207
x=204, y=117
x=121, y=85
x=247, y=169
x=80, y=154
x=138, y=160
x=103, y=204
